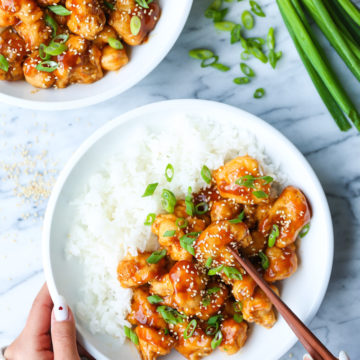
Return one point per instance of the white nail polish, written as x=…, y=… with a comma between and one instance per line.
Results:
x=307, y=357
x=343, y=356
x=61, y=309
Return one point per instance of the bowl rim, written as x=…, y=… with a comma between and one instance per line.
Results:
x=106, y=95
x=180, y=104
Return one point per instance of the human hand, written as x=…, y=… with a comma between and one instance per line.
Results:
x=49, y=333
x=342, y=356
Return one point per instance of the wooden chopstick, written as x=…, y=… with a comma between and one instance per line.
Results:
x=310, y=342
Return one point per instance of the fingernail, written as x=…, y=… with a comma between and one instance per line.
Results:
x=343, y=356
x=307, y=357
x=61, y=309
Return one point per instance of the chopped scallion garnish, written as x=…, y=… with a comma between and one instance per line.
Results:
x=135, y=25
x=59, y=10
x=264, y=260
x=190, y=329
x=168, y=201
x=130, y=334
x=304, y=230
x=275, y=232
x=150, y=219
x=206, y=174
x=169, y=172
x=150, y=189
x=156, y=256
x=154, y=299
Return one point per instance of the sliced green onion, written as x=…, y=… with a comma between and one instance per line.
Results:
x=201, y=208
x=216, y=15
x=59, y=10
x=248, y=180
x=52, y=23
x=170, y=315
x=135, y=25
x=4, y=64
x=275, y=232
x=247, y=20
x=150, y=219
x=256, y=9
x=169, y=172
x=206, y=301
x=272, y=58
x=130, y=334
x=238, y=318
x=206, y=174
x=47, y=66
x=245, y=55
x=216, y=341
x=241, y=80
x=61, y=38
x=190, y=207
x=304, y=230
x=143, y=3
x=154, y=299
x=190, y=329
x=264, y=260
x=201, y=54
x=258, y=54
x=208, y=262
x=232, y=272
x=235, y=34
x=181, y=223
x=210, y=61
x=259, y=93
x=260, y=194
x=115, y=43
x=43, y=55
x=212, y=329
x=213, y=290
x=166, y=331
x=238, y=306
x=216, y=5
x=270, y=39
x=169, y=233
x=220, y=67
x=109, y=5
x=216, y=270
x=168, y=201
x=156, y=256
x=55, y=48
x=224, y=25
x=150, y=189
x=238, y=219
x=187, y=240
x=214, y=319
x=247, y=70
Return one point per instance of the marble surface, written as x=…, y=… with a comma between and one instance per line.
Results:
x=42, y=142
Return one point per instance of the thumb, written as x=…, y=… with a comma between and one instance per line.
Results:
x=63, y=332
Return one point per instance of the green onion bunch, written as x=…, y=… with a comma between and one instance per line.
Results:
x=339, y=21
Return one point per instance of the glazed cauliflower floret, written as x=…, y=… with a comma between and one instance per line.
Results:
x=282, y=263
x=13, y=48
x=164, y=223
x=129, y=11
x=224, y=210
x=144, y=313
x=243, y=288
x=39, y=79
x=290, y=212
x=196, y=346
x=235, y=169
x=111, y=59
x=234, y=336
x=258, y=308
x=31, y=25
x=87, y=18
x=213, y=240
x=153, y=343
x=134, y=271
x=6, y=18
x=80, y=63
x=187, y=287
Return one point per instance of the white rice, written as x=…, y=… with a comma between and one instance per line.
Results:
x=111, y=212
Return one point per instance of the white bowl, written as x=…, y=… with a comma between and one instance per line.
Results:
x=303, y=292
x=143, y=59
